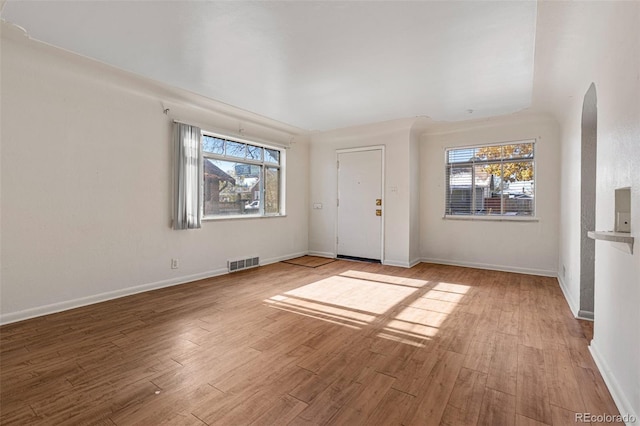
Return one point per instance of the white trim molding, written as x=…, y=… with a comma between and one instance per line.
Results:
x=621, y=401
x=504, y=268
x=400, y=263
x=116, y=294
x=103, y=297
x=322, y=254
x=277, y=259
x=585, y=315
x=573, y=304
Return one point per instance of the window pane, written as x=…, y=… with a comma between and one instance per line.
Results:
x=272, y=156
x=272, y=191
x=254, y=152
x=497, y=180
x=491, y=201
x=520, y=150
x=212, y=145
x=488, y=153
x=485, y=182
x=460, y=155
x=459, y=190
x=235, y=149
x=518, y=188
x=231, y=188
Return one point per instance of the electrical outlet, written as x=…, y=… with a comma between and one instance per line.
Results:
x=175, y=263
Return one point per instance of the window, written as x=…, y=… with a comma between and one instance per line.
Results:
x=492, y=180
x=240, y=178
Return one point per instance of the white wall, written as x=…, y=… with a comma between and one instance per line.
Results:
x=86, y=184
x=599, y=43
x=394, y=135
x=528, y=247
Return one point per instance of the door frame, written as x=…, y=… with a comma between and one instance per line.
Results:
x=380, y=148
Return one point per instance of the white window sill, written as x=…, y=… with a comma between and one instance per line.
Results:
x=493, y=218
x=241, y=217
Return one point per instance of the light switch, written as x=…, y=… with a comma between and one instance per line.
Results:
x=317, y=206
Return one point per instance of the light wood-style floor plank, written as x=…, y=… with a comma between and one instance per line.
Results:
x=564, y=390
x=504, y=364
x=498, y=408
x=464, y=404
x=437, y=389
x=343, y=343
x=532, y=394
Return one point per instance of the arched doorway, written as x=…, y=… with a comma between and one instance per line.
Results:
x=588, y=201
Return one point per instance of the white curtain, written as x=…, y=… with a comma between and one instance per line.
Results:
x=188, y=176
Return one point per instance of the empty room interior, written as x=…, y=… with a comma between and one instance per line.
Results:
x=320, y=213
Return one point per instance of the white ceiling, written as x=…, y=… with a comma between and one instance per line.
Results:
x=313, y=64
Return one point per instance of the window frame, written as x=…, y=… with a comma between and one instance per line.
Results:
x=502, y=217
x=263, y=164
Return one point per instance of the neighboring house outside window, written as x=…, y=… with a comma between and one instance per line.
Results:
x=240, y=178
x=491, y=180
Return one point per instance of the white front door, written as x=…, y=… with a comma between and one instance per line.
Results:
x=359, y=192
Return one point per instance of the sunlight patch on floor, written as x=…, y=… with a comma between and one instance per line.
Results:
x=452, y=288
x=405, y=310
x=388, y=279
x=311, y=307
x=350, y=293
x=445, y=296
x=318, y=315
x=425, y=303
x=402, y=338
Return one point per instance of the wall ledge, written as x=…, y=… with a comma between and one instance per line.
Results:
x=614, y=237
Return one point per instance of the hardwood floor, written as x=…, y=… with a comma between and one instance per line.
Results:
x=345, y=343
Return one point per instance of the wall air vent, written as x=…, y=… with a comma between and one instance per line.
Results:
x=240, y=264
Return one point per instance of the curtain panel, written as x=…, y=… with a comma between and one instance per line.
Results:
x=188, y=176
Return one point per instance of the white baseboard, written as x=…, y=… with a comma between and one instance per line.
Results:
x=573, y=305
x=504, y=268
x=585, y=315
x=414, y=262
x=277, y=259
x=110, y=295
x=103, y=297
x=402, y=264
x=621, y=401
x=322, y=254
x=399, y=263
